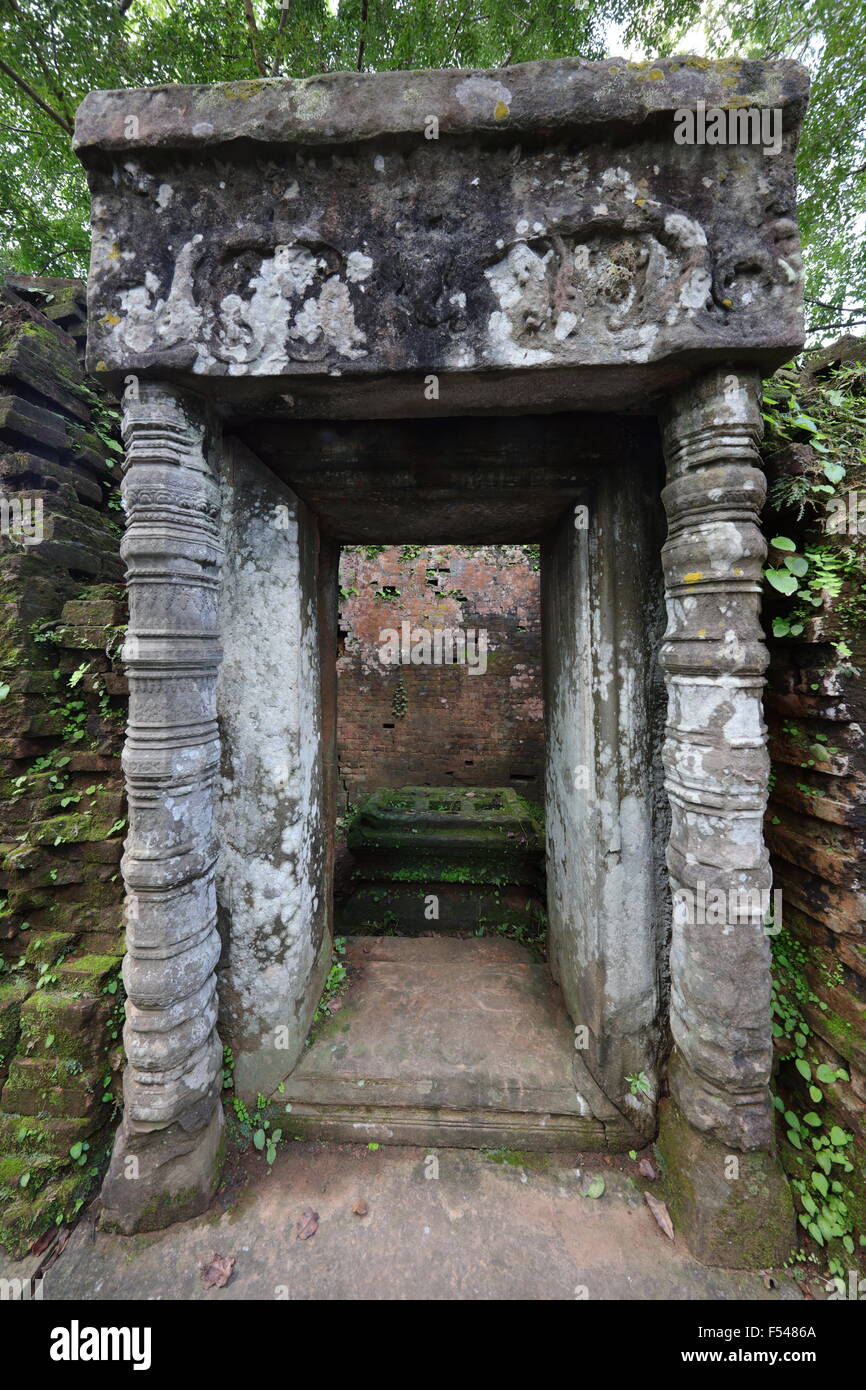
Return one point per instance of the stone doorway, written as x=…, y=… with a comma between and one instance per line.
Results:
x=551, y=253
x=480, y=480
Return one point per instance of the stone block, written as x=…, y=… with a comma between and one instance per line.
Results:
x=732, y=1209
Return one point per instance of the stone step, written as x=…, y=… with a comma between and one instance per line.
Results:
x=439, y=950
x=441, y=1041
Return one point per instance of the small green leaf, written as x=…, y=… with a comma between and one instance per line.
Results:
x=782, y=543
x=797, y=565
x=259, y=1139
x=596, y=1188
x=782, y=580
x=803, y=1068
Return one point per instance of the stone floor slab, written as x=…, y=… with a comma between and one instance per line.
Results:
x=464, y=1228
x=463, y=1042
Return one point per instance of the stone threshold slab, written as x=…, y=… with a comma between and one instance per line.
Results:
x=444, y=1041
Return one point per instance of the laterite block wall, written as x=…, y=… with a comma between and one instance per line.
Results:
x=816, y=820
x=62, y=812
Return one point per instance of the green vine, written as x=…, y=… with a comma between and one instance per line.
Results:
x=400, y=702
x=821, y=1148
x=830, y=420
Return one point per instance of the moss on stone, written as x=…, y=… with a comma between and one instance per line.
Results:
x=735, y=1222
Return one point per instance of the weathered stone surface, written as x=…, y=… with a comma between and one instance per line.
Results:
x=62, y=805
x=274, y=875
x=716, y=764
x=342, y=239
x=321, y=237
x=428, y=834
x=441, y=1041
x=173, y=553
x=605, y=822
x=155, y=1179
x=733, y=1210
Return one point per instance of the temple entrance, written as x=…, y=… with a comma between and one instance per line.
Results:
x=563, y=1041
x=380, y=338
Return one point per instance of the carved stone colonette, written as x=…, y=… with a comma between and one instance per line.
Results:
x=273, y=252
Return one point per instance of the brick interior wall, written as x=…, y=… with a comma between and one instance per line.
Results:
x=440, y=725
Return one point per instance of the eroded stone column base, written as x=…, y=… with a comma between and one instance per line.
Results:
x=734, y=1222
x=156, y=1179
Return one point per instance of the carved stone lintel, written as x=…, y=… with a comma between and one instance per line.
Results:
x=171, y=759
x=715, y=758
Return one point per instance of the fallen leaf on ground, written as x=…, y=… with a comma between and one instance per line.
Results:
x=359, y=1207
x=308, y=1224
x=216, y=1272
x=595, y=1188
x=646, y=1169
x=660, y=1212
x=47, y=1238
x=805, y=1290
x=54, y=1252
x=333, y=1005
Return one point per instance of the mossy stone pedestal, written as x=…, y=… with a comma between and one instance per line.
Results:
x=164, y=1176
x=736, y=1215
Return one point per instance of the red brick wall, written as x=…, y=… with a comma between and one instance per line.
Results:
x=455, y=728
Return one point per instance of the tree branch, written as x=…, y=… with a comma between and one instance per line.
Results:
x=254, y=37
x=49, y=74
x=286, y=5
x=838, y=308
x=843, y=323
x=362, y=41
x=35, y=97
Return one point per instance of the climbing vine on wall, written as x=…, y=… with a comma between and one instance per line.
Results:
x=820, y=490
x=824, y=1148
x=816, y=606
